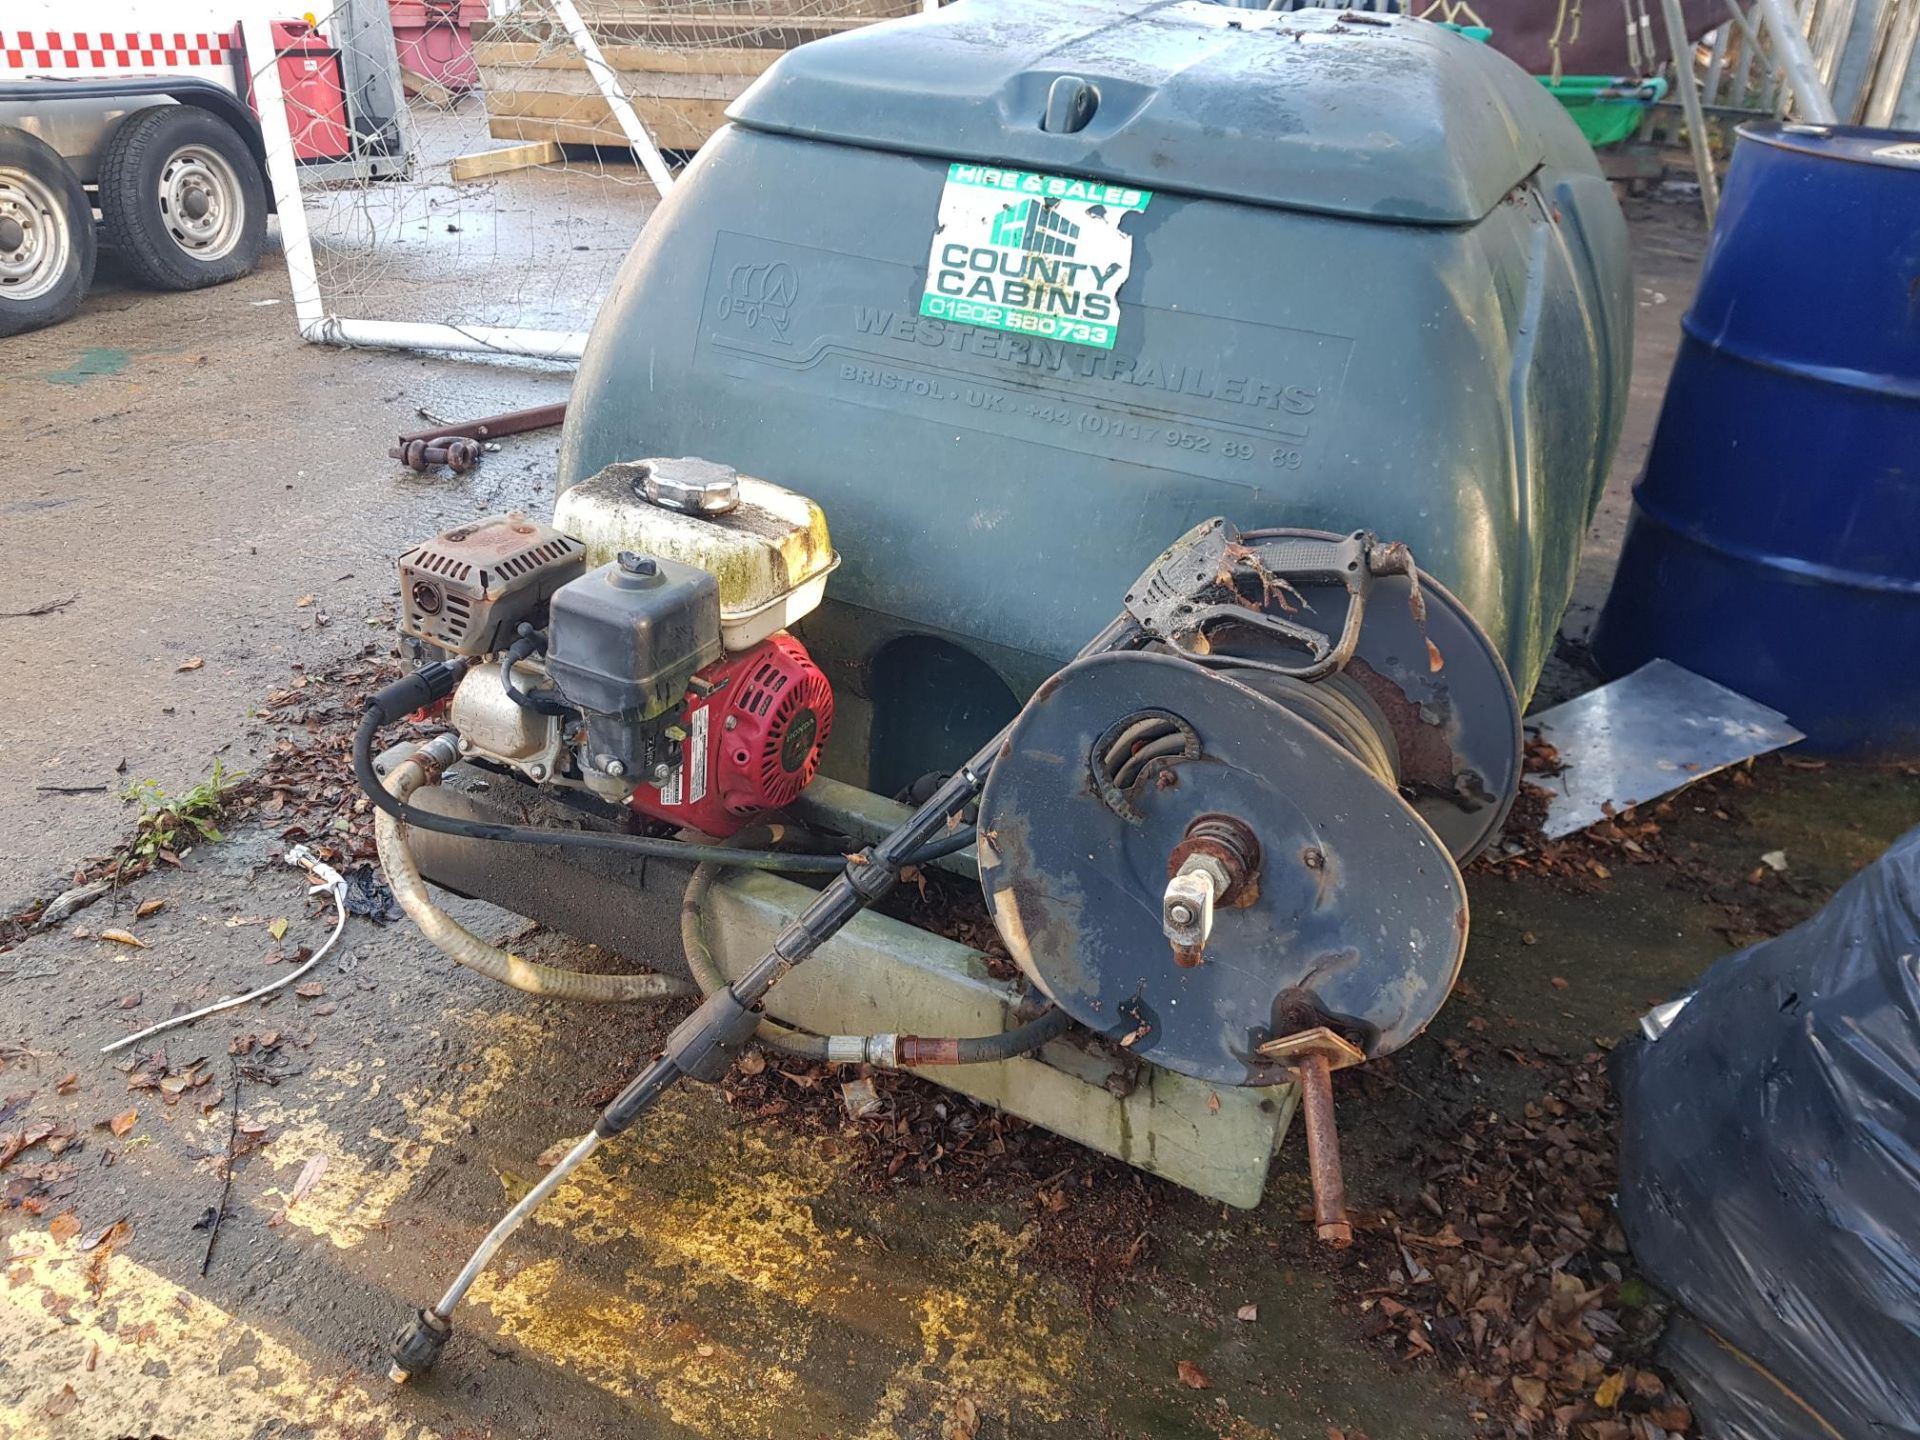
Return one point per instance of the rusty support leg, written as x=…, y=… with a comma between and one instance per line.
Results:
x=1323, y=1149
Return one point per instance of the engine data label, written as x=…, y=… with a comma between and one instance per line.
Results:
x=1039, y=255
x=689, y=783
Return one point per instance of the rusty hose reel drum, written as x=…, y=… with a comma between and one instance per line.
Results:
x=1330, y=816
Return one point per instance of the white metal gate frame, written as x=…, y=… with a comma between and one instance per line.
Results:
x=283, y=174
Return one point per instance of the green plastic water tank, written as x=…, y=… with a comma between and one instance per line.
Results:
x=1022, y=289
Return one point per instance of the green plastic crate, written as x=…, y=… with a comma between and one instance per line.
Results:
x=1607, y=108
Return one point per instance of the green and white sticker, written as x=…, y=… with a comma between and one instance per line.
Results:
x=1036, y=254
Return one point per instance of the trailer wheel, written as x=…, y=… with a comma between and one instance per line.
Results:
x=182, y=198
x=47, y=244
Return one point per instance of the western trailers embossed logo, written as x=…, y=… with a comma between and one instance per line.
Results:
x=1037, y=254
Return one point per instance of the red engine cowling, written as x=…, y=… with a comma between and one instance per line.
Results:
x=754, y=726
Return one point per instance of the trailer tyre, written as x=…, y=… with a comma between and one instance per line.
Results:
x=47, y=244
x=182, y=198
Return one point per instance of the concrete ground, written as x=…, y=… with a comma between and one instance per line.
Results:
x=198, y=487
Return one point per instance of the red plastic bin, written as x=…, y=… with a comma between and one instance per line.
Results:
x=316, y=93
x=435, y=38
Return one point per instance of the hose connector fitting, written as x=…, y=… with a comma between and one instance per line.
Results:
x=418, y=1346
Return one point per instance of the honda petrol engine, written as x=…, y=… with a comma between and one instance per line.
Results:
x=643, y=657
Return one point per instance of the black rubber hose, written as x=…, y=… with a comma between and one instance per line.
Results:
x=706, y=974
x=434, y=682
x=1050, y=1024
x=946, y=845
x=539, y=704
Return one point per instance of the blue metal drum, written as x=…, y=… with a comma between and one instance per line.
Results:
x=1775, y=538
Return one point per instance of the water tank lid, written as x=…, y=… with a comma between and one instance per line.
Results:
x=1379, y=117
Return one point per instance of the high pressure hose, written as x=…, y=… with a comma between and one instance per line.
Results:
x=888, y=1051
x=461, y=944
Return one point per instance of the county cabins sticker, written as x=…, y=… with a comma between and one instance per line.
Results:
x=1036, y=254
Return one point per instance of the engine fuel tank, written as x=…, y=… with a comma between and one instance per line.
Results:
x=1020, y=289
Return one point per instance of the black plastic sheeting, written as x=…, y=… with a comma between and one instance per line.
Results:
x=1770, y=1172
x=368, y=895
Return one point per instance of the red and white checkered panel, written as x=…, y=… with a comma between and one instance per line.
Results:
x=83, y=51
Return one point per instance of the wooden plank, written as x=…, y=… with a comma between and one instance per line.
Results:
x=482, y=163
x=429, y=90
x=665, y=85
x=725, y=60
x=675, y=29
x=592, y=110
x=680, y=72
x=674, y=125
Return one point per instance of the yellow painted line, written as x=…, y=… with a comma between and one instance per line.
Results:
x=987, y=1340
x=653, y=1354
x=145, y=1357
x=355, y=1196
x=744, y=1256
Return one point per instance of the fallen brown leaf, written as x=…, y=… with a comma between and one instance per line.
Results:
x=149, y=907
x=1192, y=1376
x=24, y=1140
x=1248, y=1313
x=64, y=1226
x=108, y=1235
x=65, y=1403
x=310, y=1174
x=67, y=1083
x=963, y=1420
x=194, y=663
x=123, y=1122
x=124, y=937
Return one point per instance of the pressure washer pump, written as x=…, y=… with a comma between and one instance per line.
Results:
x=1224, y=839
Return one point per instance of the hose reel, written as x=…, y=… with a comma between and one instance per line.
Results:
x=1192, y=845
x=1234, y=852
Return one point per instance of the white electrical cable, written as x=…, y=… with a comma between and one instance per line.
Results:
x=324, y=878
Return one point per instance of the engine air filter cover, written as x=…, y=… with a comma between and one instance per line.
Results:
x=469, y=588
x=1357, y=916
